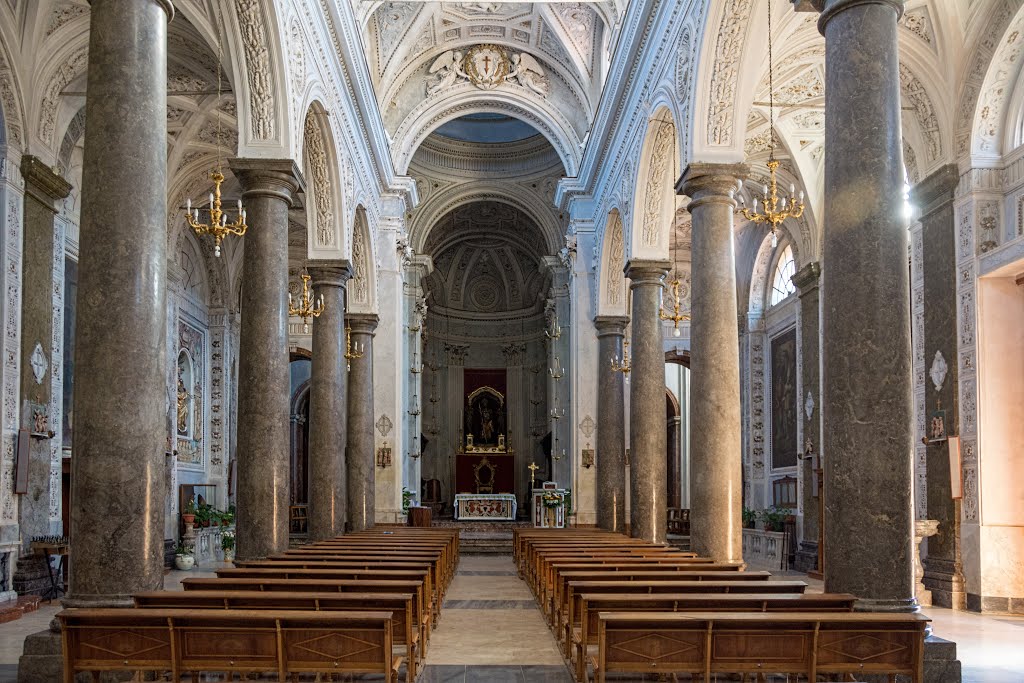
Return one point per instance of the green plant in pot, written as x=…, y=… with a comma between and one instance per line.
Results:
x=188, y=515
x=749, y=518
x=227, y=544
x=203, y=515
x=183, y=557
x=774, y=519
x=406, y=499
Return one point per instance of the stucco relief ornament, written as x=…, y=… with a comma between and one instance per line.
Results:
x=938, y=370
x=487, y=66
x=39, y=363
x=384, y=425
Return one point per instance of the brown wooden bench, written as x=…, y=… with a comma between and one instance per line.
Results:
x=404, y=628
x=275, y=585
x=329, y=562
x=183, y=641
x=364, y=572
x=541, y=567
x=583, y=633
x=557, y=600
x=795, y=643
x=444, y=572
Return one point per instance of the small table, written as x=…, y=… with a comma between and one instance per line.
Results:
x=485, y=506
x=47, y=550
x=419, y=516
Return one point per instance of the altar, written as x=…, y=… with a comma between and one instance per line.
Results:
x=485, y=507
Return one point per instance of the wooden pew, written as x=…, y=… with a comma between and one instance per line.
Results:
x=237, y=641
x=366, y=572
x=800, y=643
x=404, y=628
x=651, y=573
x=542, y=560
x=443, y=570
x=584, y=633
x=276, y=584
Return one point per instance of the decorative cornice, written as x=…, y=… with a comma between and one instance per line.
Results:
x=42, y=182
x=335, y=273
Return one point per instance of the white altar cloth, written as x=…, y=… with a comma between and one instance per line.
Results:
x=485, y=506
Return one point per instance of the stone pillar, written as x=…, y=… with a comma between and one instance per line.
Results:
x=117, y=472
x=360, y=459
x=806, y=282
x=43, y=189
x=648, y=511
x=716, y=489
x=867, y=406
x=328, y=395
x=611, y=426
x=933, y=196
x=268, y=189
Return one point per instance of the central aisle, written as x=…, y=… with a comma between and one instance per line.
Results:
x=491, y=630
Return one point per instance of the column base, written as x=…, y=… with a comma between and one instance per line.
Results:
x=806, y=557
x=946, y=583
x=940, y=662
x=995, y=604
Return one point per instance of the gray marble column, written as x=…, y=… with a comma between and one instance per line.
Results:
x=806, y=282
x=43, y=189
x=117, y=472
x=268, y=189
x=648, y=511
x=360, y=456
x=716, y=476
x=943, y=567
x=611, y=426
x=867, y=406
x=328, y=399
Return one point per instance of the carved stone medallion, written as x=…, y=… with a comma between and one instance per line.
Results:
x=486, y=65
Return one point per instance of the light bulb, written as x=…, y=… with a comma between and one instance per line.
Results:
x=801, y=196
x=792, y=189
x=783, y=203
x=764, y=190
x=188, y=205
x=775, y=239
x=677, y=333
x=305, y=328
x=216, y=251
x=239, y=206
x=211, y=199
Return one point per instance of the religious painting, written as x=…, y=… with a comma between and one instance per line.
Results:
x=70, y=309
x=784, y=400
x=188, y=414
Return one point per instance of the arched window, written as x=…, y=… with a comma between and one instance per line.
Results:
x=782, y=282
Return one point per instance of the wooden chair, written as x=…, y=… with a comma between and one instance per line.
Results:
x=430, y=491
x=298, y=521
x=483, y=473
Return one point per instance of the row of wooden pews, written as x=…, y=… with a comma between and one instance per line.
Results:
x=364, y=603
x=620, y=606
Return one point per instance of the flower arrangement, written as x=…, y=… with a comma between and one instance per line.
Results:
x=552, y=499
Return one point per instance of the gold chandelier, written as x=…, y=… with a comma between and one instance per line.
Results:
x=676, y=316
x=308, y=308
x=352, y=351
x=217, y=225
x=623, y=364
x=774, y=208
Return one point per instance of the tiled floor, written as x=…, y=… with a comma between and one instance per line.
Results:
x=491, y=631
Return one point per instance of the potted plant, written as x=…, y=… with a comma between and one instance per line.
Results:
x=188, y=516
x=406, y=499
x=749, y=518
x=183, y=558
x=229, y=515
x=203, y=514
x=774, y=519
x=227, y=544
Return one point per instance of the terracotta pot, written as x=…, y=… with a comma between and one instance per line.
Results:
x=188, y=519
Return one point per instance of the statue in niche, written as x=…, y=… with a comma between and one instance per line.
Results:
x=485, y=419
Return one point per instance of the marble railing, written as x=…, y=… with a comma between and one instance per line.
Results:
x=765, y=549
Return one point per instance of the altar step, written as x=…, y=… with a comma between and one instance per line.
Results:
x=485, y=542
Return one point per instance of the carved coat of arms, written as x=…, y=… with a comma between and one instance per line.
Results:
x=486, y=65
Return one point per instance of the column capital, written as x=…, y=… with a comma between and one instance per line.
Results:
x=830, y=8
x=936, y=190
x=646, y=271
x=807, y=278
x=611, y=325
x=706, y=182
x=333, y=273
x=362, y=323
x=279, y=178
x=42, y=182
